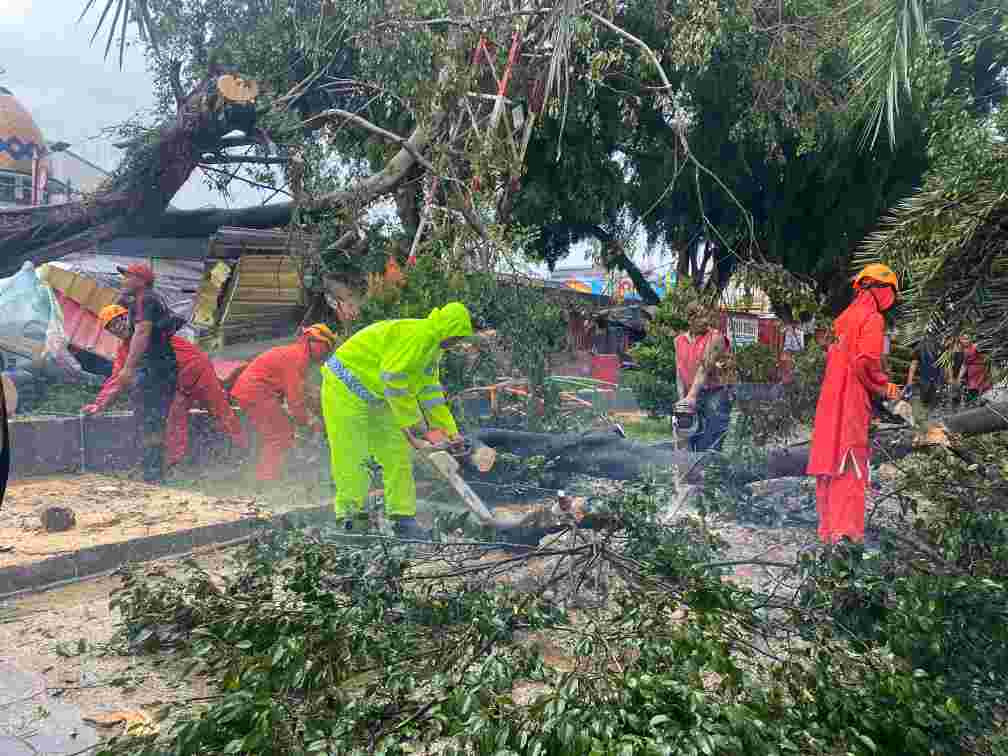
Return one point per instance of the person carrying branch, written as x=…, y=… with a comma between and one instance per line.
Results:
x=272, y=377
x=381, y=394
x=196, y=384
x=700, y=352
x=839, y=453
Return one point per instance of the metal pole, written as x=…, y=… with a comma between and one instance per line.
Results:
x=83, y=448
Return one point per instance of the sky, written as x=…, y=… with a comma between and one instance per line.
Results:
x=73, y=93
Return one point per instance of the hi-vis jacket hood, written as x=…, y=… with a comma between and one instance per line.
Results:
x=451, y=321
x=397, y=361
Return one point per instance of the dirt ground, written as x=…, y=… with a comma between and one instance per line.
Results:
x=68, y=636
x=107, y=509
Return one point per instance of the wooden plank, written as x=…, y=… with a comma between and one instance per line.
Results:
x=278, y=279
x=238, y=307
x=267, y=262
x=258, y=312
x=251, y=295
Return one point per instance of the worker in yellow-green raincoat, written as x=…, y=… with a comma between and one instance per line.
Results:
x=380, y=395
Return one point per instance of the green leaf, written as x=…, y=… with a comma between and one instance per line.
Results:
x=868, y=742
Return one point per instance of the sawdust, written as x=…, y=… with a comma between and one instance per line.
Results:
x=108, y=510
x=68, y=635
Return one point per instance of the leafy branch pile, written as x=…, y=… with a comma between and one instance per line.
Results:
x=621, y=640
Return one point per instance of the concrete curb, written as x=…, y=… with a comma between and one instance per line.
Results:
x=97, y=561
x=100, y=560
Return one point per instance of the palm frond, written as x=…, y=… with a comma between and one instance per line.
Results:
x=951, y=252
x=884, y=48
x=125, y=12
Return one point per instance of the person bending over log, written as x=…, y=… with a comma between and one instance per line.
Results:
x=700, y=351
x=380, y=392
x=196, y=384
x=839, y=453
x=276, y=375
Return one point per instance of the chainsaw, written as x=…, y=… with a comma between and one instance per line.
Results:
x=445, y=460
x=686, y=422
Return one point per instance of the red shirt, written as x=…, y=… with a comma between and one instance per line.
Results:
x=977, y=377
x=689, y=354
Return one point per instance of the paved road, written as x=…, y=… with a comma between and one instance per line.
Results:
x=33, y=723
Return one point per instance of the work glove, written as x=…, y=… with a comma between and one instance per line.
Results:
x=91, y=409
x=893, y=391
x=437, y=438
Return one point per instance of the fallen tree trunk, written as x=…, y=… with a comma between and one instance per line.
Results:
x=975, y=422
x=135, y=197
x=608, y=455
x=135, y=200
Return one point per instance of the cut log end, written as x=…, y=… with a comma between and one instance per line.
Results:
x=235, y=89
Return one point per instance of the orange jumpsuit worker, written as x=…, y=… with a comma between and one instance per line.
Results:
x=274, y=375
x=839, y=454
x=195, y=383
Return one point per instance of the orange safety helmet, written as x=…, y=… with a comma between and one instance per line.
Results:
x=877, y=272
x=321, y=332
x=109, y=313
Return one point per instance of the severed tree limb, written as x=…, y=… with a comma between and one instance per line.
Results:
x=365, y=124
x=608, y=455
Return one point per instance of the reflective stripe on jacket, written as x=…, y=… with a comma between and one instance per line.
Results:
x=397, y=361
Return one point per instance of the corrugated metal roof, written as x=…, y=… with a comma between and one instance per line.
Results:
x=152, y=246
x=230, y=242
x=83, y=331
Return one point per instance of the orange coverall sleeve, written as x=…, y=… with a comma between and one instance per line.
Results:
x=110, y=388
x=295, y=372
x=868, y=359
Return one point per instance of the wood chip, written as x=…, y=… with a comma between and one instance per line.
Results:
x=137, y=723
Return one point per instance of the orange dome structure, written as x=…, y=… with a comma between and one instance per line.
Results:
x=20, y=143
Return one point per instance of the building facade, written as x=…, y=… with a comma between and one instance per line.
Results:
x=34, y=172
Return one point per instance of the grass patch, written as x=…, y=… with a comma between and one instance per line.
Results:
x=648, y=429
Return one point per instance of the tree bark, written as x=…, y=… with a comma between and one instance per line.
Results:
x=608, y=455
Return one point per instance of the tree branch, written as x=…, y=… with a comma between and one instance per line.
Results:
x=640, y=43
x=365, y=124
x=174, y=78
x=248, y=181
x=236, y=159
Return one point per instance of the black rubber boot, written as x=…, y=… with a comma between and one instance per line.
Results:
x=153, y=464
x=409, y=529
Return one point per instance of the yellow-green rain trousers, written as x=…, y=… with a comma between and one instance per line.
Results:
x=375, y=386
